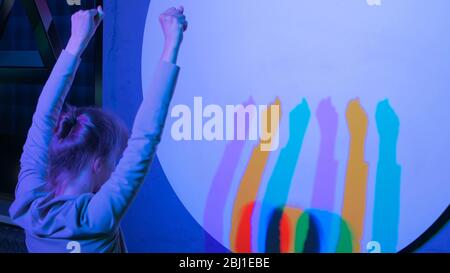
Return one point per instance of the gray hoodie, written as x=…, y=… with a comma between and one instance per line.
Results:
x=89, y=222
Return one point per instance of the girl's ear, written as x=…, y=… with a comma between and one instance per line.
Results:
x=97, y=166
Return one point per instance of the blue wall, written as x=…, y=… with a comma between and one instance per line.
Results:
x=157, y=221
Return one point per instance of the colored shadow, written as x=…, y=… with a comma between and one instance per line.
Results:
x=345, y=244
x=357, y=172
x=327, y=165
x=220, y=187
x=387, y=188
x=314, y=231
x=244, y=230
x=273, y=241
x=320, y=231
x=329, y=229
x=288, y=224
x=240, y=238
x=278, y=186
x=306, y=235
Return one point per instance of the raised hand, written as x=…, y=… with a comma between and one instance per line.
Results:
x=173, y=23
x=84, y=25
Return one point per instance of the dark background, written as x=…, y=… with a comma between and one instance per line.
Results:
x=18, y=101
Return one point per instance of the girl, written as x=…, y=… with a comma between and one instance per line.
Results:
x=71, y=196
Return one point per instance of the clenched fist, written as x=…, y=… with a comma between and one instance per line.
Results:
x=84, y=25
x=173, y=24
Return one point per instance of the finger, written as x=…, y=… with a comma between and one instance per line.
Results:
x=182, y=23
x=170, y=11
x=100, y=14
x=181, y=20
x=180, y=17
x=92, y=12
x=100, y=11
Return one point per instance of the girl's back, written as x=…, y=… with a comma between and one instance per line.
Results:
x=71, y=196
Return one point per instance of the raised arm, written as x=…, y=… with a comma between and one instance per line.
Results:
x=34, y=160
x=106, y=208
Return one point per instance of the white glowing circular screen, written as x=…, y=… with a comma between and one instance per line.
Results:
x=364, y=129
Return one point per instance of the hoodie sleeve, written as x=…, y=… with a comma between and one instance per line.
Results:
x=34, y=159
x=107, y=207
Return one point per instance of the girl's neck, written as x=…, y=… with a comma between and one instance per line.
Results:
x=75, y=186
